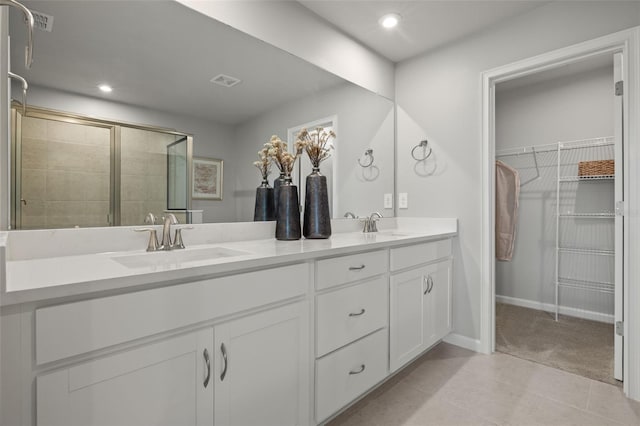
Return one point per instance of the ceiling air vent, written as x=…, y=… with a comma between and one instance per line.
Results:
x=42, y=21
x=225, y=80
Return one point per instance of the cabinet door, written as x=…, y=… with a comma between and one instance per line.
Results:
x=406, y=316
x=163, y=383
x=262, y=369
x=437, y=317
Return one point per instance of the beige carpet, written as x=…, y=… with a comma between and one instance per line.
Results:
x=572, y=344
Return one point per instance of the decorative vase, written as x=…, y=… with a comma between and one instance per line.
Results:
x=288, y=215
x=276, y=191
x=317, y=218
x=264, y=209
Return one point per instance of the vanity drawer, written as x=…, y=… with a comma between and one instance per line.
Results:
x=80, y=327
x=340, y=270
x=406, y=257
x=349, y=372
x=347, y=314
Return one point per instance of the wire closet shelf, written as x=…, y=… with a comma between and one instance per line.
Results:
x=592, y=271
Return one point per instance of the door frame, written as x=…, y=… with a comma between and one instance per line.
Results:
x=628, y=43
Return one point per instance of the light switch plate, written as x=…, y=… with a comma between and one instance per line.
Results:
x=403, y=200
x=388, y=201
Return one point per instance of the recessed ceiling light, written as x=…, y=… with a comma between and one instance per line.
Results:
x=105, y=88
x=390, y=20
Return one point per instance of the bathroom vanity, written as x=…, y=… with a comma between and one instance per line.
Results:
x=227, y=332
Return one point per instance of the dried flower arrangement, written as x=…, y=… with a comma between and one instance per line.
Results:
x=264, y=163
x=317, y=144
x=277, y=150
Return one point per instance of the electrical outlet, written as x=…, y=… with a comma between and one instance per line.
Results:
x=388, y=201
x=403, y=200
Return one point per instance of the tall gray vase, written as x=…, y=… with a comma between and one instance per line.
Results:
x=264, y=209
x=317, y=218
x=288, y=215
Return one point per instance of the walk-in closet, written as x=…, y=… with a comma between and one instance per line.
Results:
x=558, y=238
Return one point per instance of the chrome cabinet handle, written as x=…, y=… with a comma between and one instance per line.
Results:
x=356, y=268
x=205, y=354
x=430, y=283
x=362, y=367
x=425, y=281
x=362, y=311
x=223, y=349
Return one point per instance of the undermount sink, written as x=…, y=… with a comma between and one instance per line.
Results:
x=175, y=257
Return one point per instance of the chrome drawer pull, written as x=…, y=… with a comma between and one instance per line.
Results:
x=223, y=349
x=429, y=282
x=356, y=268
x=205, y=354
x=362, y=367
x=362, y=311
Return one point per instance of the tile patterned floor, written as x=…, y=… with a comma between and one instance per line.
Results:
x=454, y=386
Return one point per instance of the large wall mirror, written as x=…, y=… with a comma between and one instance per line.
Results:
x=165, y=63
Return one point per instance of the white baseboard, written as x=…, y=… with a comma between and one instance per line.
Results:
x=463, y=342
x=548, y=307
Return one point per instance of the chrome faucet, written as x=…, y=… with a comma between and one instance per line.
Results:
x=350, y=214
x=370, y=222
x=167, y=242
x=169, y=219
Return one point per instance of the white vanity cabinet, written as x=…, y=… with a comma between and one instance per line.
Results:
x=242, y=359
x=262, y=369
x=420, y=299
x=165, y=383
x=290, y=342
x=351, y=328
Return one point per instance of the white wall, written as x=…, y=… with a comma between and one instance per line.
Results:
x=573, y=107
x=295, y=29
x=210, y=139
x=365, y=120
x=439, y=97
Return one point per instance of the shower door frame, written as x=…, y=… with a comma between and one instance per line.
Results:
x=626, y=42
x=115, y=128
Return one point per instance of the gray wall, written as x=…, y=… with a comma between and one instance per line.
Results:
x=365, y=120
x=209, y=139
x=568, y=108
x=439, y=97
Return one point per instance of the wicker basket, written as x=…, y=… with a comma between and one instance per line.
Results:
x=596, y=168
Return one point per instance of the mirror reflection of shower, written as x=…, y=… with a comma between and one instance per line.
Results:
x=71, y=171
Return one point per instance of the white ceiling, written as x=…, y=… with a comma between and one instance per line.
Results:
x=425, y=24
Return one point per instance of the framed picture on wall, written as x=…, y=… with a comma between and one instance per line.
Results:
x=207, y=179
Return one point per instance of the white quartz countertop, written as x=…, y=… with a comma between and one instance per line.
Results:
x=50, y=277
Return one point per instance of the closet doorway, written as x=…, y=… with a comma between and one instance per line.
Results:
x=558, y=283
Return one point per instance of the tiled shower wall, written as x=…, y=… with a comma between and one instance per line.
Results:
x=65, y=174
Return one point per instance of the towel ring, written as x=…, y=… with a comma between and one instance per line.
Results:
x=367, y=153
x=424, y=145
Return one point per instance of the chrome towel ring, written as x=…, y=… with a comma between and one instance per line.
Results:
x=367, y=163
x=424, y=145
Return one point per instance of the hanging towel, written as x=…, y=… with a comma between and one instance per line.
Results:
x=507, y=193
